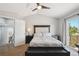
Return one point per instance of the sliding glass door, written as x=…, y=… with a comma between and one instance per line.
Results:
x=72, y=31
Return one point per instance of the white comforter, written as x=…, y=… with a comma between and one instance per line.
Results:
x=45, y=42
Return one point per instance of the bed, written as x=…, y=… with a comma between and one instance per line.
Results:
x=45, y=44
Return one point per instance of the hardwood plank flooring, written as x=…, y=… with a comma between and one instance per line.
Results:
x=16, y=51
x=20, y=51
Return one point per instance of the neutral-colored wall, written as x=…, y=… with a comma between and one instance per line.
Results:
x=19, y=32
x=62, y=30
x=39, y=19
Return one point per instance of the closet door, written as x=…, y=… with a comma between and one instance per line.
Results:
x=6, y=30
x=0, y=36
x=1, y=30
x=19, y=32
x=3, y=35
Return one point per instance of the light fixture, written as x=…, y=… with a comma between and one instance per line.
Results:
x=39, y=7
x=28, y=31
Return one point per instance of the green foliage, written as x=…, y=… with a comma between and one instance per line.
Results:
x=73, y=30
x=73, y=41
x=73, y=38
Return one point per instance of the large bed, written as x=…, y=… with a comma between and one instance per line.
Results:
x=45, y=44
x=45, y=41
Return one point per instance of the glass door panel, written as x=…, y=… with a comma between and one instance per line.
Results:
x=73, y=29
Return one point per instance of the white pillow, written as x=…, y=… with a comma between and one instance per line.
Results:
x=47, y=34
x=38, y=34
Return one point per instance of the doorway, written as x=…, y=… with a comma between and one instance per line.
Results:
x=72, y=31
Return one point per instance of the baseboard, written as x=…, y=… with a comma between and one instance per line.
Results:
x=19, y=43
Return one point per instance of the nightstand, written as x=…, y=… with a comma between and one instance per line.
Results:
x=28, y=38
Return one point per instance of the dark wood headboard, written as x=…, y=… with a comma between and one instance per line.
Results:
x=36, y=26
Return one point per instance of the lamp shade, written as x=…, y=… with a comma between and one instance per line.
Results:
x=28, y=29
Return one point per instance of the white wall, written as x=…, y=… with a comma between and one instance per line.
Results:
x=19, y=32
x=61, y=27
x=38, y=19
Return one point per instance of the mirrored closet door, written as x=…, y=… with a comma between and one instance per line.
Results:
x=6, y=32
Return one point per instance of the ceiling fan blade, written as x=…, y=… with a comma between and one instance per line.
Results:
x=34, y=9
x=37, y=4
x=44, y=7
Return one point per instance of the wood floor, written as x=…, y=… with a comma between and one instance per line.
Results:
x=16, y=51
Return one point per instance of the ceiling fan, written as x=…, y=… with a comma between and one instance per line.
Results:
x=39, y=6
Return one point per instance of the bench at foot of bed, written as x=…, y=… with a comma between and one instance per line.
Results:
x=47, y=51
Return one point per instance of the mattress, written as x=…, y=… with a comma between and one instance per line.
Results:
x=45, y=42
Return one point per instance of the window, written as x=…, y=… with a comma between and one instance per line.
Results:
x=72, y=28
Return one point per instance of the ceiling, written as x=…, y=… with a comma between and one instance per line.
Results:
x=25, y=9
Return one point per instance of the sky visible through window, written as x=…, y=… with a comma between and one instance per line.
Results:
x=74, y=22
